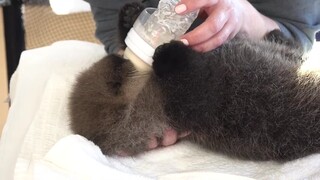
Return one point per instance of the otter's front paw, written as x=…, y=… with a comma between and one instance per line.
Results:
x=127, y=16
x=171, y=57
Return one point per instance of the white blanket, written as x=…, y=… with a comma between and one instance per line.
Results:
x=38, y=92
x=38, y=144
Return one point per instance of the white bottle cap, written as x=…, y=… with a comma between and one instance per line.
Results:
x=139, y=46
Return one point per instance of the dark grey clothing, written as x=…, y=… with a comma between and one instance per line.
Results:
x=297, y=19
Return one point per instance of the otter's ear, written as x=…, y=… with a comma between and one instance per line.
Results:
x=278, y=37
x=127, y=16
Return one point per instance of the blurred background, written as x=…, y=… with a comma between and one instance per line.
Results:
x=28, y=24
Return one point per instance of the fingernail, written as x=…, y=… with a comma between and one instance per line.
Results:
x=185, y=42
x=180, y=8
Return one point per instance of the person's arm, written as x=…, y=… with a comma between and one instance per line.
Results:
x=297, y=19
x=105, y=15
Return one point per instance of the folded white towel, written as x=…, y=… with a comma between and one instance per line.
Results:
x=77, y=158
x=38, y=92
x=37, y=134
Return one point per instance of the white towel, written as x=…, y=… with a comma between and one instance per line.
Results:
x=79, y=158
x=37, y=135
x=74, y=157
x=38, y=91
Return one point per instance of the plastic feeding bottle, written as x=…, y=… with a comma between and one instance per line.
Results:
x=152, y=28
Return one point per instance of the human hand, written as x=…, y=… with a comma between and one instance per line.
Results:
x=224, y=20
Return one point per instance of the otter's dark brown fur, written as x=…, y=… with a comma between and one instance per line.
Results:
x=245, y=99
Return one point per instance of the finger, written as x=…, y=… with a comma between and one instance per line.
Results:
x=221, y=37
x=185, y=6
x=212, y=25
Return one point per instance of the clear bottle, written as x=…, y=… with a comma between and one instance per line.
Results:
x=154, y=27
